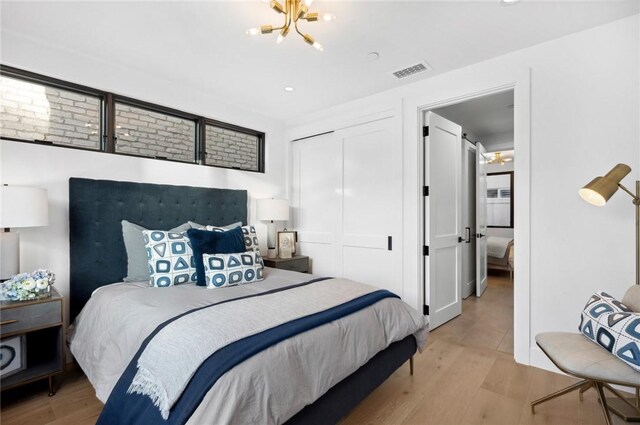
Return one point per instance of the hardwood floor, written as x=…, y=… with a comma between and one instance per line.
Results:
x=465, y=376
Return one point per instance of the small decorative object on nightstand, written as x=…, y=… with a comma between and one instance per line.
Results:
x=38, y=324
x=297, y=263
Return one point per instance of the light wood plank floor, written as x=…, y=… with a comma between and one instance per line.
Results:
x=466, y=376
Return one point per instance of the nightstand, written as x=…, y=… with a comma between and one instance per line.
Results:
x=297, y=263
x=40, y=322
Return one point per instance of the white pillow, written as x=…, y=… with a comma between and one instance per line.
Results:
x=170, y=258
x=223, y=270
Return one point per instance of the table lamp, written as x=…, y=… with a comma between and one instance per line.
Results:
x=599, y=190
x=20, y=206
x=272, y=210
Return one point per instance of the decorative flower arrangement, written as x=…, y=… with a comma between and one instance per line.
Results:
x=28, y=286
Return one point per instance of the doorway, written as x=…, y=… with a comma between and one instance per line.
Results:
x=483, y=130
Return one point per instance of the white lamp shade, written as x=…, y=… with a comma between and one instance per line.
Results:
x=272, y=210
x=22, y=206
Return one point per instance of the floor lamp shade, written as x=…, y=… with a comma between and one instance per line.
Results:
x=599, y=190
x=20, y=206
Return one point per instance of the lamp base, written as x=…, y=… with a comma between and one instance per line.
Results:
x=271, y=253
x=9, y=254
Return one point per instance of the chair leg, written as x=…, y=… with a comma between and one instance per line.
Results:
x=563, y=391
x=411, y=365
x=603, y=401
x=584, y=388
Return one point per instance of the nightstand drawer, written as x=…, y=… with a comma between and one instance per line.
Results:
x=296, y=265
x=21, y=318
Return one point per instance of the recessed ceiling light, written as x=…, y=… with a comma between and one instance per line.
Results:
x=374, y=56
x=289, y=89
x=509, y=2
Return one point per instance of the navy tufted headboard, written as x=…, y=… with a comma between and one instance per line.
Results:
x=97, y=207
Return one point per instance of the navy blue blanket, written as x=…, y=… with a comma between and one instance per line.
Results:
x=123, y=408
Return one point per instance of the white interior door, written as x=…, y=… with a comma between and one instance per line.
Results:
x=316, y=200
x=372, y=205
x=481, y=219
x=443, y=218
x=468, y=218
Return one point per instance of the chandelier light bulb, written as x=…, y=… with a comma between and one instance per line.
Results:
x=308, y=3
x=253, y=31
x=328, y=17
x=279, y=39
x=318, y=46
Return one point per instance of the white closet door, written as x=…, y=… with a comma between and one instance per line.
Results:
x=372, y=205
x=316, y=200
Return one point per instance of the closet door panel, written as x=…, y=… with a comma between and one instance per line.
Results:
x=372, y=212
x=316, y=184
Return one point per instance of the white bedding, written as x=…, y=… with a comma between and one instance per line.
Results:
x=497, y=246
x=118, y=317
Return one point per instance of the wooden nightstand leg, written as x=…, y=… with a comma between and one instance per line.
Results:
x=411, y=365
x=51, y=390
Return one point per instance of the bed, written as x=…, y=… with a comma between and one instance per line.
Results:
x=500, y=254
x=330, y=365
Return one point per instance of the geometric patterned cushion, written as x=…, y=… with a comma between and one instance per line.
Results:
x=613, y=326
x=223, y=270
x=250, y=238
x=170, y=258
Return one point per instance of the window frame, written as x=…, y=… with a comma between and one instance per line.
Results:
x=152, y=107
x=107, y=120
x=32, y=77
x=226, y=126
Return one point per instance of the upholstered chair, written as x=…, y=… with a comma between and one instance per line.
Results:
x=575, y=355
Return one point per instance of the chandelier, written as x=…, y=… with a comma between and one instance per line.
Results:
x=293, y=11
x=499, y=159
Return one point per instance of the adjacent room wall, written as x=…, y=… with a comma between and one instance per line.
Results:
x=51, y=167
x=584, y=108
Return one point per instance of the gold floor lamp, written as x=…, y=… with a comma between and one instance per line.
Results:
x=597, y=192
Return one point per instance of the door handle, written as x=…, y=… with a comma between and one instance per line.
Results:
x=389, y=243
x=468, y=230
x=480, y=235
x=460, y=239
x=8, y=322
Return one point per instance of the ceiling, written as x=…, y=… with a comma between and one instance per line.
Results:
x=202, y=45
x=485, y=117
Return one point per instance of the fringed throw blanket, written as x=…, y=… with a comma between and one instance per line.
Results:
x=183, y=358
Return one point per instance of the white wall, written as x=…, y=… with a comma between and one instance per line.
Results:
x=580, y=96
x=51, y=167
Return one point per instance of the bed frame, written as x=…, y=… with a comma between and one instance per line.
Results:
x=98, y=257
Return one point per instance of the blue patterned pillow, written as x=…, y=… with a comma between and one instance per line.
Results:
x=613, y=326
x=170, y=257
x=232, y=269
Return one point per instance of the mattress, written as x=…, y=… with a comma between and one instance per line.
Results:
x=117, y=319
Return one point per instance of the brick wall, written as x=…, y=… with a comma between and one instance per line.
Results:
x=36, y=112
x=227, y=148
x=153, y=134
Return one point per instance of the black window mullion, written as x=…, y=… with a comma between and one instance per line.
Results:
x=201, y=151
x=110, y=124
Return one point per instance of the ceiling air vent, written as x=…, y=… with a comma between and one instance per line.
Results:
x=411, y=70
